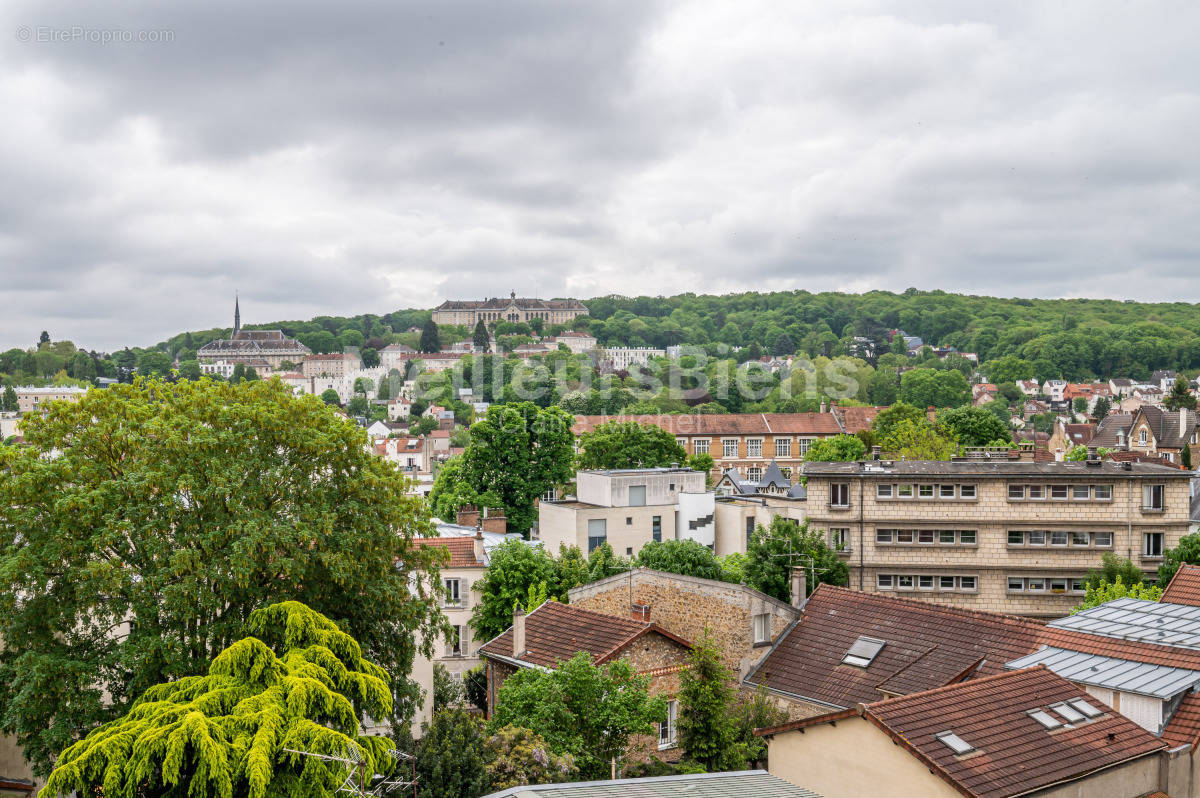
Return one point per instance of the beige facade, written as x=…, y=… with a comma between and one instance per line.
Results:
x=512, y=309
x=34, y=400
x=16, y=777
x=1005, y=537
x=737, y=517
x=335, y=365
x=626, y=529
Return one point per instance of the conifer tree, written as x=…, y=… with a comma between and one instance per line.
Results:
x=450, y=761
x=8, y=402
x=295, y=682
x=480, y=337
x=706, y=728
x=430, y=341
x=1180, y=395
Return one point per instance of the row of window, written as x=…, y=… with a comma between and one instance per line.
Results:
x=889, y=490
x=598, y=530
x=1046, y=584
x=1076, y=540
x=1100, y=493
x=730, y=447
x=944, y=537
x=944, y=584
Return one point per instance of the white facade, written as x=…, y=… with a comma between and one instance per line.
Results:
x=636, y=487
x=1055, y=389
x=695, y=516
x=622, y=357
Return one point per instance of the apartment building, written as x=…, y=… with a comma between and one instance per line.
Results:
x=1007, y=536
x=32, y=399
x=620, y=358
x=744, y=441
x=333, y=365
x=513, y=308
x=628, y=508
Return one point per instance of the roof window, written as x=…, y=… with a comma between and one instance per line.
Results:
x=1045, y=718
x=864, y=651
x=955, y=743
x=1069, y=712
x=1086, y=708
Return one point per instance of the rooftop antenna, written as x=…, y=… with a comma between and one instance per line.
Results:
x=356, y=765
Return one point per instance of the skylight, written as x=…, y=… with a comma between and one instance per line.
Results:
x=955, y=743
x=1045, y=718
x=864, y=651
x=1069, y=712
x=1085, y=707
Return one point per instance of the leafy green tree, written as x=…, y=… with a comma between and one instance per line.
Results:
x=189, y=369
x=1187, y=553
x=1008, y=368
x=430, y=340
x=480, y=338
x=974, y=426
x=44, y=338
x=910, y=440
x=887, y=419
x=628, y=445
x=517, y=453
x=446, y=691
x=1102, y=408
x=357, y=406
x=451, y=762
x=839, y=448
x=515, y=566
x=518, y=756
x=1180, y=396
x=581, y=709
x=1103, y=592
x=475, y=687
x=450, y=491
x=773, y=551
x=706, y=729
x=370, y=357
x=178, y=509
x=1114, y=569
x=923, y=387
x=330, y=397
x=9, y=402
x=755, y=711
x=1081, y=406
x=295, y=681
x=603, y=563
x=685, y=557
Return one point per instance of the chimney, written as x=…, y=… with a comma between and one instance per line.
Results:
x=480, y=551
x=876, y=451
x=1120, y=438
x=518, y=628
x=824, y=407
x=1092, y=453
x=640, y=612
x=467, y=515
x=799, y=588
x=494, y=521
x=1183, y=427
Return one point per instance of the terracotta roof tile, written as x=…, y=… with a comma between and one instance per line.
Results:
x=555, y=632
x=1014, y=754
x=462, y=550
x=1184, y=587
x=856, y=419
x=1184, y=726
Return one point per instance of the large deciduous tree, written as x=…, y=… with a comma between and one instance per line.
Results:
x=685, y=557
x=296, y=681
x=142, y=525
x=581, y=709
x=974, y=426
x=773, y=551
x=629, y=445
x=836, y=449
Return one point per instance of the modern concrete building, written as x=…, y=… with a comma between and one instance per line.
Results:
x=1007, y=536
x=628, y=508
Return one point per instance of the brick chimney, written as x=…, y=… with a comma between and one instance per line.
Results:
x=468, y=515
x=799, y=588
x=518, y=629
x=493, y=520
x=480, y=551
x=640, y=612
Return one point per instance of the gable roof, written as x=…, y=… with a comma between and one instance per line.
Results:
x=555, y=632
x=1106, y=430
x=462, y=551
x=1013, y=754
x=856, y=419
x=1184, y=726
x=1184, y=587
x=1165, y=425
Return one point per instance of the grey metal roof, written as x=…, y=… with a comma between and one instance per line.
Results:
x=1125, y=675
x=1176, y=625
x=733, y=784
x=891, y=469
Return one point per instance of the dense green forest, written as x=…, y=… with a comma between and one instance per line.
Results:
x=1071, y=338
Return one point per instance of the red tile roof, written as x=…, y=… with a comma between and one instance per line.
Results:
x=726, y=423
x=462, y=551
x=857, y=419
x=928, y=646
x=1184, y=726
x=555, y=632
x=1184, y=587
x=1014, y=754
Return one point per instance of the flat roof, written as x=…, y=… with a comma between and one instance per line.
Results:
x=614, y=472
x=731, y=784
x=991, y=468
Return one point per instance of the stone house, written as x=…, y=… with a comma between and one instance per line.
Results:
x=742, y=621
x=1157, y=431
x=553, y=633
x=1006, y=536
x=1026, y=732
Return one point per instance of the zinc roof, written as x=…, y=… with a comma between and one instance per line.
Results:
x=1142, y=620
x=733, y=784
x=1159, y=681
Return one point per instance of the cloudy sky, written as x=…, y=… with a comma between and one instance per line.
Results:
x=342, y=158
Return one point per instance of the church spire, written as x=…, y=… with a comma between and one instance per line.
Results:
x=237, y=317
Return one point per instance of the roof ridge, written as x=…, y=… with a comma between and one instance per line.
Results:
x=943, y=609
x=970, y=683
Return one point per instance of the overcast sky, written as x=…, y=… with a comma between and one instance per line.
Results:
x=337, y=158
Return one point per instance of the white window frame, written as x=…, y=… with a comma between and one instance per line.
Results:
x=754, y=447
x=667, y=736
x=962, y=585
x=783, y=447
x=1155, y=550
x=1102, y=493
x=836, y=488
x=1036, y=493
x=726, y=445
x=942, y=494
x=968, y=492
x=884, y=490
x=700, y=446
x=1016, y=493
x=762, y=628
x=453, y=595
x=805, y=443
x=884, y=582
x=454, y=641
